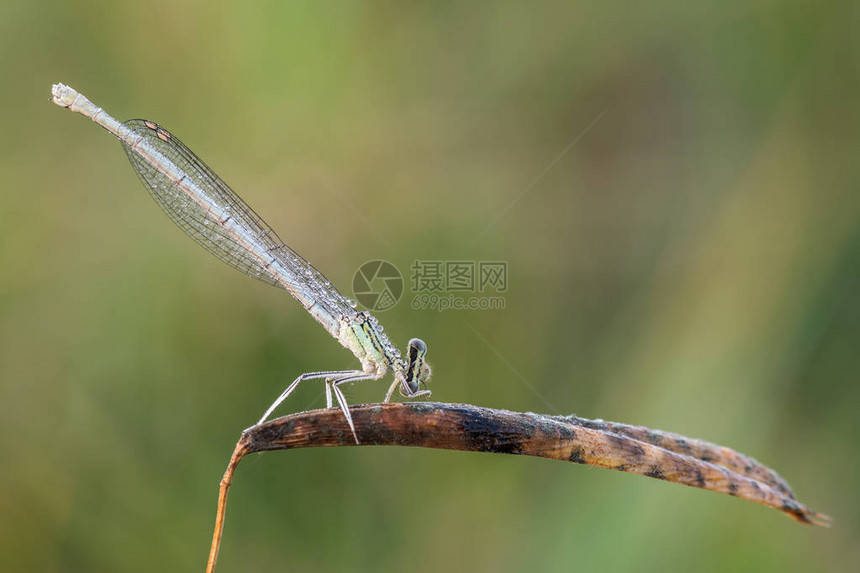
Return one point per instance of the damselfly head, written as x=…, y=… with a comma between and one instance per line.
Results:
x=417, y=370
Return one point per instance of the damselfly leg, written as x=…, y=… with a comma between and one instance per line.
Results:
x=333, y=379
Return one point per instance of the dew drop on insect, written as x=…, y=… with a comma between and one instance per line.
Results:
x=352, y=303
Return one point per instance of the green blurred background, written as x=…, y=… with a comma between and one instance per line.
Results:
x=692, y=263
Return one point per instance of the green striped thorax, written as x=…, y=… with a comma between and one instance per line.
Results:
x=365, y=337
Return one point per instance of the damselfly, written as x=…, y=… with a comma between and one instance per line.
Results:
x=206, y=208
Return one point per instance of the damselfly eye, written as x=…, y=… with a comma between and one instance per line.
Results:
x=413, y=387
x=419, y=345
x=417, y=370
